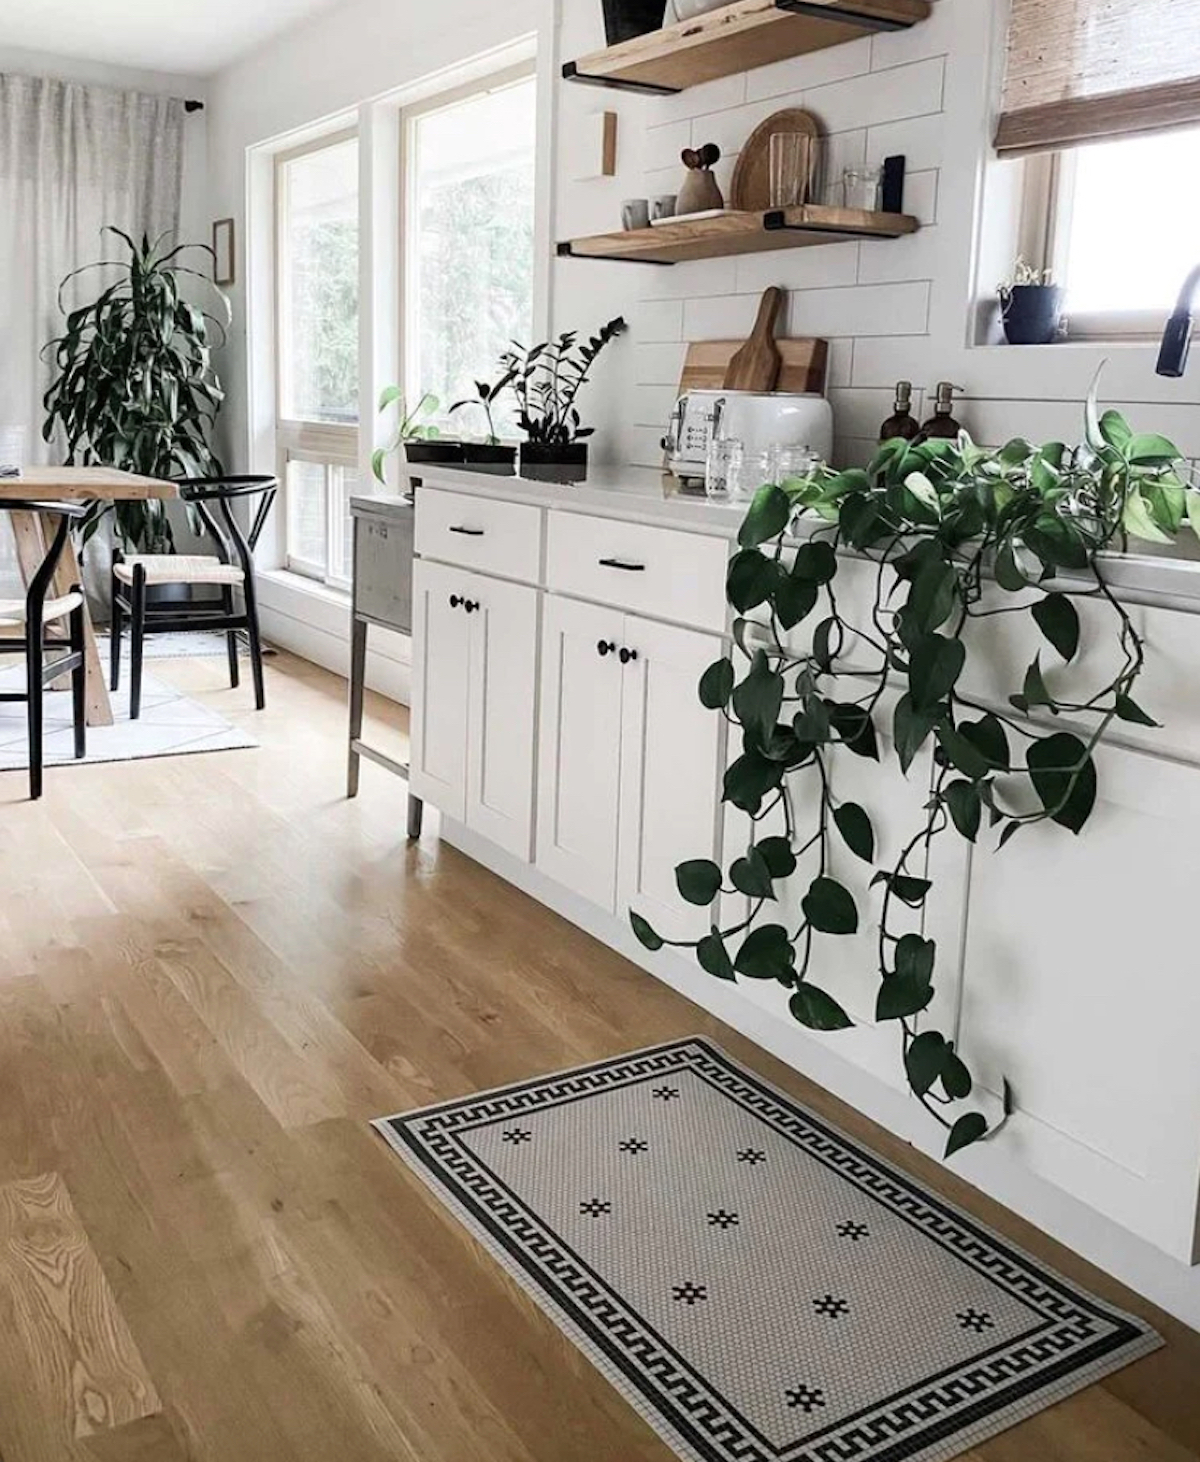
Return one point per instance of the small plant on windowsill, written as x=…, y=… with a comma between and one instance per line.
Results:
x=950, y=537
x=1030, y=306
x=421, y=439
x=546, y=380
x=490, y=455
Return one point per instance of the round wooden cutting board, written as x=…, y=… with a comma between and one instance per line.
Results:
x=750, y=190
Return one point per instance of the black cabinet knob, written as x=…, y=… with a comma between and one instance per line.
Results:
x=470, y=605
x=455, y=601
x=606, y=647
x=627, y=656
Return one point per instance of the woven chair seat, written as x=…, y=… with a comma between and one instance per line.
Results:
x=179, y=568
x=13, y=612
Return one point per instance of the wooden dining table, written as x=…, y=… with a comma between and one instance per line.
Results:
x=34, y=532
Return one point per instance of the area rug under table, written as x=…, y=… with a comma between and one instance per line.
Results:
x=171, y=724
x=759, y=1287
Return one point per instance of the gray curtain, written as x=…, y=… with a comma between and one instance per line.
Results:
x=72, y=159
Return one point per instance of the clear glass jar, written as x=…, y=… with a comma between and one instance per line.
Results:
x=748, y=471
x=12, y=450
x=793, y=462
x=721, y=451
x=862, y=187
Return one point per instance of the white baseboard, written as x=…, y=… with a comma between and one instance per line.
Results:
x=314, y=622
x=990, y=1167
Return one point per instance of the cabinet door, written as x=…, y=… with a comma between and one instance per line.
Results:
x=441, y=669
x=579, y=767
x=670, y=773
x=502, y=713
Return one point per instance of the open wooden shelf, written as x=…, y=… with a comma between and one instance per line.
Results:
x=737, y=38
x=740, y=233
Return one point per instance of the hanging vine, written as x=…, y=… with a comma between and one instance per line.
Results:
x=956, y=534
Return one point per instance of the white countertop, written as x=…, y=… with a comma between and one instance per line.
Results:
x=639, y=493
x=642, y=494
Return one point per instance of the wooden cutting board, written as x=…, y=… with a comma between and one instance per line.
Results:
x=750, y=189
x=757, y=365
x=802, y=369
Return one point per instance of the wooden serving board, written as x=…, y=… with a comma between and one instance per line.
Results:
x=750, y=190
x=803, y=366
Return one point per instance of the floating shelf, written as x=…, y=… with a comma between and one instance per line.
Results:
x=740, y=233
x=736, y=38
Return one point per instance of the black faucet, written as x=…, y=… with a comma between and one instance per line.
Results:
x=1177, y=337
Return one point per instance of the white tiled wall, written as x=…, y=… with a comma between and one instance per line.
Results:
x=891, y=309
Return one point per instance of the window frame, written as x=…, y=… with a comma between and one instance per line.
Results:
x=1048, y=192
x=502, y=80
x=320, y=443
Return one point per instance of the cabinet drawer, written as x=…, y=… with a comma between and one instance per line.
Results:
x=656, y=571
x=480, y=533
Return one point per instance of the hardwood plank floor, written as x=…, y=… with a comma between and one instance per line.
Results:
x=213, y=971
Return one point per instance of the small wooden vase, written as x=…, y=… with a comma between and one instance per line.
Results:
x=700, y=191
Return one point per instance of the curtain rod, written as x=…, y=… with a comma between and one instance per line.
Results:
x=193, y=106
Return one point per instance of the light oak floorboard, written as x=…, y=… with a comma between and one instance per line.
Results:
x=214, y=970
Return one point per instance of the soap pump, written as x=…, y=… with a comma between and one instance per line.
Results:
x=942, y=423
x=902, y=423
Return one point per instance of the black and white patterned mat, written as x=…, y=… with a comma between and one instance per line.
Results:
x=759, y=1287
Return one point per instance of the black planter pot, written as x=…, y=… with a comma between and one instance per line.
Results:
x=446, y=453
x=624, y=19
x=493, y=457
x=1032, y=314
x=554, y=464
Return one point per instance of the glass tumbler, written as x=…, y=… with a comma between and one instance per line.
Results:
x=862, y=188
x=790, y=159
x=795, y=462
x=721, y=453
x=12, y=450
x=750, y=470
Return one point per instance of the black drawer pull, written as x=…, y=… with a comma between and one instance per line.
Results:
x=629, y=568
x=470, y=605
x=627, y=656
x=467, y=532
x=606, y=647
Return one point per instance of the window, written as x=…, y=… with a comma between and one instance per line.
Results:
x=317, y=353
x=468, y=234
x=1122, y=268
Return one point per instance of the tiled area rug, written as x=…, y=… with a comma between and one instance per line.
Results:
x=171, y=724
x=760, y=1288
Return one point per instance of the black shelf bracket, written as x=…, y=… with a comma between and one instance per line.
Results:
x=571, y=72
x=567, y=251
x=851, y=17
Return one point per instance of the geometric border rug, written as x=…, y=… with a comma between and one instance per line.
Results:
x=758, y=1286
x=171, y=724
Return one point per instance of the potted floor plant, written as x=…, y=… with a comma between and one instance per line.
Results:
x=546, y=380
x=420, y=439
x=134, y=386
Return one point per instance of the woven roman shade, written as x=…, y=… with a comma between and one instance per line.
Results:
x=1084, y=70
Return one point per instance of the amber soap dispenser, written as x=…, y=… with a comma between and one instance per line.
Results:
x=942, y=423
x=901, y=423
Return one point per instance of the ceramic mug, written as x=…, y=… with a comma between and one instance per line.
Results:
x=663, y=206
x=635, y=213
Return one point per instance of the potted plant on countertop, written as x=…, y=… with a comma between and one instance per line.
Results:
x=491, y=454
x=421, y=439
x=546, y=380
x=1030, y=306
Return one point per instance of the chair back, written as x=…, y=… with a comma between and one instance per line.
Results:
x=233, y=541
x=67, y=511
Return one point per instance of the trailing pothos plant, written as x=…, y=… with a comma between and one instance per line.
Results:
x=135, y=386
x=951, y=533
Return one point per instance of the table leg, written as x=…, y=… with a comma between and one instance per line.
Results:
x=32, y=534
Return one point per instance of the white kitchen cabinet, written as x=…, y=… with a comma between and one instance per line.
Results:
x=579, y=766
x=629, y=771
x=475, y=678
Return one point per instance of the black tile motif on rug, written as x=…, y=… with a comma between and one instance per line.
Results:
x=758, y=1286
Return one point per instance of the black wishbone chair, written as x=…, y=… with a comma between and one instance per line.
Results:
x=229, y=570
x=29, y=618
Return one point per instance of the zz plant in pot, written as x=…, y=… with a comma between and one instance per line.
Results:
x=546, y=380
x=942, y=542
x=135, y=386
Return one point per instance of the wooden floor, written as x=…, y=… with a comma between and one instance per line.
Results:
x=213, y=971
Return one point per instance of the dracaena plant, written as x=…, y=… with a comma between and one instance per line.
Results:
x=135, y=386
x=546, y=380
x=950, y=533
